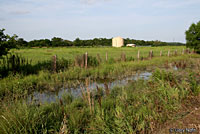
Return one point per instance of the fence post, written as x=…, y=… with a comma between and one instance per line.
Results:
x=183, y=51
x=86, y=60
x=138, y=56
x=168, y=53
x=160, y=53
x=150, y=54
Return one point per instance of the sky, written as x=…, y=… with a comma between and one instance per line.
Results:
x=164, y=20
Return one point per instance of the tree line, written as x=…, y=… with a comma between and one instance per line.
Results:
x=59, y=42
x=16, y=42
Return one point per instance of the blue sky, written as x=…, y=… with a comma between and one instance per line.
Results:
x=164, y=20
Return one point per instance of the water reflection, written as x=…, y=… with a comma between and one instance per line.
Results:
x=48, y=97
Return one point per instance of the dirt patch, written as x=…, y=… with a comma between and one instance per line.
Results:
x=186, y=121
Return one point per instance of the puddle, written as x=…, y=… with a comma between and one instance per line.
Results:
x=48, y=97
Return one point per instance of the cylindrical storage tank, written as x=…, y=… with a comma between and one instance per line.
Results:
x=117, y=42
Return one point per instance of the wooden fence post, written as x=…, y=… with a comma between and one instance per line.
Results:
x=160, y=53
x=150, y=54
x=168, y=53
x=86, y=60
x=138, y=56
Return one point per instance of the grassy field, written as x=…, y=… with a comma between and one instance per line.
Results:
x=41, y=54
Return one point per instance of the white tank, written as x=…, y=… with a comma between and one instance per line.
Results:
x=117, y=42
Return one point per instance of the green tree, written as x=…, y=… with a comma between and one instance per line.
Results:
x=77, y=42
x=193, y=37
x=21, y=42
x=56, y=41
x=4, y=46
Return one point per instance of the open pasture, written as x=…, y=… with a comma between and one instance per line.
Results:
x=42, y=54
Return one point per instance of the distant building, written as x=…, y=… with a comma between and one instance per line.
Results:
x=131, y=45
x=117, y=42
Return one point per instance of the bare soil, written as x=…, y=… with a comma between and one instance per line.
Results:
x=185, y=121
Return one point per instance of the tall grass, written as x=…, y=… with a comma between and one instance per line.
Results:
x=19, y=85
x=140, y=107
x=10, y=65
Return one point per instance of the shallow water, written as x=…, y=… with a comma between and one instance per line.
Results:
x=48, y=97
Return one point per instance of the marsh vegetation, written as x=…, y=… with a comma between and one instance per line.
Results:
x=138, y=106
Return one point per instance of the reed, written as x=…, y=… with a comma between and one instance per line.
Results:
x=87, y=82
